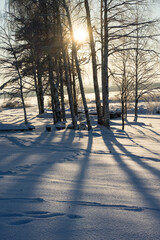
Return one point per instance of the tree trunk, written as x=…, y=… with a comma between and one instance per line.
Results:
x=54, y=93
x=136, y=86
x=62, y=91
x=122, y=101
x=23, y=103
x=136, y=70
x=136, y=110
x=40, y=89
x=21, y=86
x=74, y=87
x=105, y=78
x=94, y=64
x=35, y=84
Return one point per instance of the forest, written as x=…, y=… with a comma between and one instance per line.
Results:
x=44, y=45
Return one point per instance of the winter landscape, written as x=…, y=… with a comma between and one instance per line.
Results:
x=61, y=185
x=77, y=160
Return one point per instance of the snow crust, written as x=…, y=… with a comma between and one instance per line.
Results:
x=80, y=185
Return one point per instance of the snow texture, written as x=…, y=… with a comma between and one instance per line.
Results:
x=79, y=185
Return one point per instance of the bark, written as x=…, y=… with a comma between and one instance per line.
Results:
x=74, y=87
x=62, y=91
x=136, y=74
x=40, y=93
x=105, y=78
x=22, y=99
x=35, y=84
x=122, y=113
x=126, y=101
x=52, y=93
x=136, y=110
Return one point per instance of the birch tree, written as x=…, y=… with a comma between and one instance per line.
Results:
x=144, y=55
x=94, y=63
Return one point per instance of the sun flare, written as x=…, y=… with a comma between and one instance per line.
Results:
x=80, y=35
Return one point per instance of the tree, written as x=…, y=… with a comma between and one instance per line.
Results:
x=122, y=77
x=94, y=63
x=11, y=63
x=112, y=23
x=77, y=65
x=144, y=56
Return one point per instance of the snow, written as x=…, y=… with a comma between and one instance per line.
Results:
x=74, y=185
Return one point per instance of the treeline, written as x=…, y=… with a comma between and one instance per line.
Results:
x=39, y=53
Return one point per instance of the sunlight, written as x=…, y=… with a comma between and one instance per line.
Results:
x=80, y=35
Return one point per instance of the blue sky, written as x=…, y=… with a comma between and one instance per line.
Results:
x=2, y=3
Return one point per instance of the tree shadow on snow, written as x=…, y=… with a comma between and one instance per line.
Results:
x=76, y=194
x=32, y=162
x=135, y=180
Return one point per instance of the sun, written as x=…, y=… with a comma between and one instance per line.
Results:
x=80, y=35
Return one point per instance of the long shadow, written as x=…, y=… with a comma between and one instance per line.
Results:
x=140, y=145
x=19, y=154
x=133, y=124
x=36, y=168
x=155, y=116
x=152, y=131
x=76, y=194
x=24, y=191
x=142, y=132
x=134, y=179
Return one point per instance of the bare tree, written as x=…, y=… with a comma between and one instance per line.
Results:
x=10, y=61
x=144, y=55
x=94, y=63
x=122, y=77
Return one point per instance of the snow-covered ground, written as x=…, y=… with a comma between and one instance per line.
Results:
x=80, y=185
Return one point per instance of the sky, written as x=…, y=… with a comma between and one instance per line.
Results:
x=2, y=3
x=156, y=6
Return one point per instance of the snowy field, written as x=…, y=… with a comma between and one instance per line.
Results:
x=80, y=185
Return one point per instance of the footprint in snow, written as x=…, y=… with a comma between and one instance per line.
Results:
x=11, y=215
x=35, y=215
x=43, y=214
x=72, y=157
x=36, y=212
x=4, y=173
x=20, y=222
x=74, y=216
